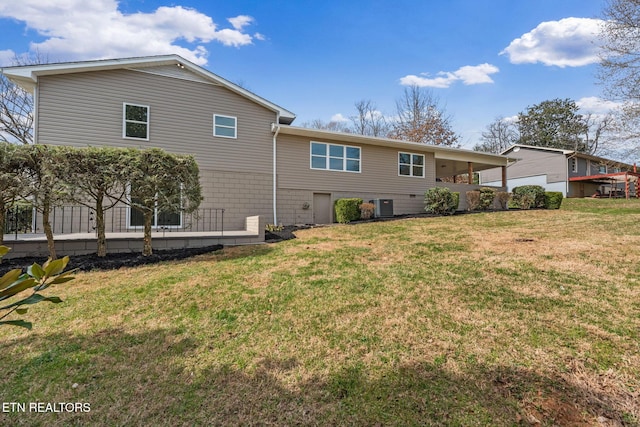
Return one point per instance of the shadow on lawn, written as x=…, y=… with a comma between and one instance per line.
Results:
x=161, y=377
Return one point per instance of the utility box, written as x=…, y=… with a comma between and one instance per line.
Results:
x=383, y=208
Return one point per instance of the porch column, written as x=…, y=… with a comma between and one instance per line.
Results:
x=470, y=172
x=626, y=186
x=504, y=176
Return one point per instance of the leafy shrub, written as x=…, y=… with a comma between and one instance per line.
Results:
x=37, y=278
x=440, y=201
x=503, y=199
x=473, y=200
x=456, y=200
x=347, y=210
x=367, y=210
x=528, y=196
x=487, y=195
x=553, y=199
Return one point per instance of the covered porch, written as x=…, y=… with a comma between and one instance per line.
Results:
x=610, y=185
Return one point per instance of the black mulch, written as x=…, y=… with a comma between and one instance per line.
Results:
x=111, y=261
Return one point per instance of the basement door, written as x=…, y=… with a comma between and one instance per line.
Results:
x=321, y=208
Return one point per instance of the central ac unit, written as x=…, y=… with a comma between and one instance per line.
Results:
x=383, y=207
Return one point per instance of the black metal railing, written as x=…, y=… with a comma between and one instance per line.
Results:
x=120, y=219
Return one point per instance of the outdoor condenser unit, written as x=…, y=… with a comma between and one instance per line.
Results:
x=383, y=207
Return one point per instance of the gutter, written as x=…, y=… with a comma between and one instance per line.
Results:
x=275, y=129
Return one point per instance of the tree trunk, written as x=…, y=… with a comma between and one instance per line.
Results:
x=46, y=224
x=3, y=220
x=100, y=228
x=146, y=248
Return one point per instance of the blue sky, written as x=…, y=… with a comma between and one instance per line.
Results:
x=481, y=58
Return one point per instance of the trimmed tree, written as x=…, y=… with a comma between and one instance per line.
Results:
x=10, y=183
x=96, y=177
x=44, y=182
x=162, y=182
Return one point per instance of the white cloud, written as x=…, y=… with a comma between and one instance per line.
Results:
x=469, y=75
x=339, y=118
x=593, y=104
x=80, y=29
x=240, y=21
x=569, y=42
x=6, y=57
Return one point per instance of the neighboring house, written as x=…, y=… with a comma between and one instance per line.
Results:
x=574, y=174
x=252, y=162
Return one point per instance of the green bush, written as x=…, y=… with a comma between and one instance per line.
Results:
x=487, y=195
x=347, y=210
x=553, y=199
x=528, y=196
x=440, y=201
x=473, y=200
x=456, y=200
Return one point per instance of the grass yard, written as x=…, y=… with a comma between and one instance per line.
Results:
x=499, y=319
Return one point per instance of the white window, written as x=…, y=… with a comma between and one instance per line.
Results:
x=224, y=126
x=574, y=164
x=335, y=157
x=135, y=121
x=602, y=169
x=410, y=164
x=160, y=219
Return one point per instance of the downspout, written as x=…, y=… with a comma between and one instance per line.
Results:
x=275, y=129
x=566, y=164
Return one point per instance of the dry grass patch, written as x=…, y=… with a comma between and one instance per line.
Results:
x=487, y=319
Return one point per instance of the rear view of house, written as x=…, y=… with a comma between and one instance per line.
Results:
x=252, y=161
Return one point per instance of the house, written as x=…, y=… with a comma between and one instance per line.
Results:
x=573, y=173
x=253, y=162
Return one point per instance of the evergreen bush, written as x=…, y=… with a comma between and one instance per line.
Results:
x=347, y=209
x=440, y=201
x=553, y=199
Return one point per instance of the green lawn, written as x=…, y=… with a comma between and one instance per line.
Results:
x=486, y=319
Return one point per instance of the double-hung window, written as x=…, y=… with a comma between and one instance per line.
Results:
x=335, y=157
x=574, y=164
x=160, y=218
x=410, y=164
x=135, y=121
x=225, y=126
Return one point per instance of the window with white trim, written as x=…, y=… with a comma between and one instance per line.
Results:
x=135, y=121
x=411, y=164
x=224, y=126
x=602, y=169
x=335, y=157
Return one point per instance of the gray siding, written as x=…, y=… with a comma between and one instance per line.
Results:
x=86, y=109
x=532, y=163
x=379, y=170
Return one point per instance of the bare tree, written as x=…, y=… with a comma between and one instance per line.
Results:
x=498, y=136
x=620, y=62
x=369, y=120
x=16, y=113
x=16, y=105
x=421, y=119
x=333, y=125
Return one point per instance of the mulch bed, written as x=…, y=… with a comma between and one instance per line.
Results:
x=112, y=261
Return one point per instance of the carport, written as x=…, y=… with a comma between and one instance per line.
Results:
x=611, y=185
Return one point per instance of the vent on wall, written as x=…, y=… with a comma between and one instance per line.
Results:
x=383, y=207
